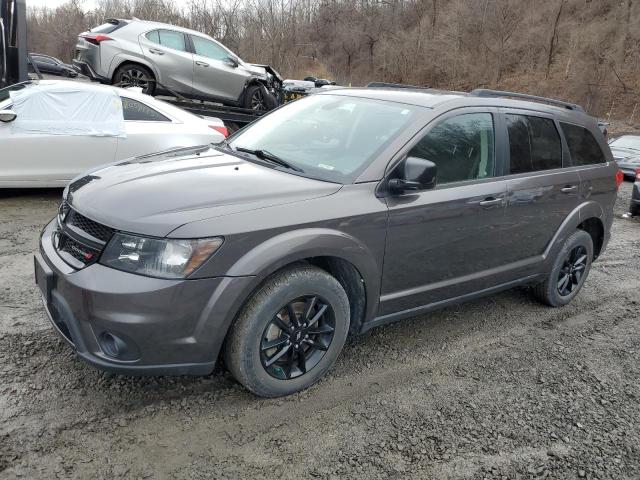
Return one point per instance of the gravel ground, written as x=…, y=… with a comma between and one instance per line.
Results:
x=498, y=388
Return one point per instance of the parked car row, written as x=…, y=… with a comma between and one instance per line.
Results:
x=336, y=213
x=53, y=132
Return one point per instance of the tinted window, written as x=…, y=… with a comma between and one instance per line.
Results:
x=137, y=111
x=584, y=149
x=208, y=49
x=169, y=39
x=534, y=144
x=462, y=147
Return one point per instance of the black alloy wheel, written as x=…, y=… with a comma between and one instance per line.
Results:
x=572, y=271
x=297, y=337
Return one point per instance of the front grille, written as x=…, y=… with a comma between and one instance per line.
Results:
x=95, y=229
x=84, y=254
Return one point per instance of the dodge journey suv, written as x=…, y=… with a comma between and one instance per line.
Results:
x=334, y=214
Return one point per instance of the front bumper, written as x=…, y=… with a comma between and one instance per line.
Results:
x=161, y=327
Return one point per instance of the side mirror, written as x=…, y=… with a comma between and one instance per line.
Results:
x=232, y=61
x=415, y=173
x=7, y=116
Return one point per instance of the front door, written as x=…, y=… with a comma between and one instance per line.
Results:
x=446, y=242
x=214, y=75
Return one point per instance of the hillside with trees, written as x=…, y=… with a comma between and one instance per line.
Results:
x=585, y=51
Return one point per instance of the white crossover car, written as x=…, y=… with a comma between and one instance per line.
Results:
x=51, y=131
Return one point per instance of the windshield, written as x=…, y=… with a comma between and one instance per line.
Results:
x=330, y=137
x=628, y=141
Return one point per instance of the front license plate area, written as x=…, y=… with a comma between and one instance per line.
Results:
x=44, y=277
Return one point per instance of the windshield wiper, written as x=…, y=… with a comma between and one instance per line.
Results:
x=266, y=155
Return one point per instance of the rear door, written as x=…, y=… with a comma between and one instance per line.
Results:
x=169, y=52
x=543, y=186
x=214, y=75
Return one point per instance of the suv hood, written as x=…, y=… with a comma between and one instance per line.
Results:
x=155, y=194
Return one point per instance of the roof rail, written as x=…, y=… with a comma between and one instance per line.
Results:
x=484, y=92
x=392, y=85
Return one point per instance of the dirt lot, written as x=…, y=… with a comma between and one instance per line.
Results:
x=498, y=388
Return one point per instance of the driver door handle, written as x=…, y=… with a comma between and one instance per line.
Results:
x=569, y=189
x=155, y=51
x=202, y=64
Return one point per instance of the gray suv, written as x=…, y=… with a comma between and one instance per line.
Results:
x=331, y=215
x=163, y=58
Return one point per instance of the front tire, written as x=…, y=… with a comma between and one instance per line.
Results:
x=290, y=332
x=257, y=97
x=634, y=209
x=570, y=271
x=133, y=75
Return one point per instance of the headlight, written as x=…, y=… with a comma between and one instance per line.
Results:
x=158, y=257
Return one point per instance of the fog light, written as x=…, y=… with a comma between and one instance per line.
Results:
x=112, y=345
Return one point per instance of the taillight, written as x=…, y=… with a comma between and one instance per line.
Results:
x=638, y=174
x=95, y=38
x=221, y=129
x=619, y=178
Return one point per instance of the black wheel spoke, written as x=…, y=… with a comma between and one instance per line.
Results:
x=308, y=308
x=302, y=361
x=291, y=363
x=318, y=314
x=317, y=346
x=322, y=330
x=268, y=345
x=281, y=324
x=277, y=356
x=293, y=318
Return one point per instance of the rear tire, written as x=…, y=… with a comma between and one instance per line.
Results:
x=307, y=335
x=134, y=75
x=570, y=271
x=634, y=209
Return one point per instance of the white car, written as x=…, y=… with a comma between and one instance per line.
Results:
x=70, y=136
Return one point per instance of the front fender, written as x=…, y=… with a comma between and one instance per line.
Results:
x=296, y=245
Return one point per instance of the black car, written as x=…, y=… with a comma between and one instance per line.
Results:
x=51, y=65
x=634, y=208
x=334, y=214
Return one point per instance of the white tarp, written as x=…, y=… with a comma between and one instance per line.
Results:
x=68, y=108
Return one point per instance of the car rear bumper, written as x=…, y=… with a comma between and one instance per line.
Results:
x=86, y=69
x=132, y=324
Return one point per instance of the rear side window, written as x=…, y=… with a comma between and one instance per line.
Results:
x=583, y=147
x=169, y=39
x=139, y=112
x=534, y=144
x=462, y=147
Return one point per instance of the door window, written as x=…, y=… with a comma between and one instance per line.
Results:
x=462, y=147
x=534, y=144
x=209, y=49
x=169, y=39
x=583, y=147
x=133, y=110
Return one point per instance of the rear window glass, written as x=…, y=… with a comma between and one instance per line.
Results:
x=583, y=147
x=133, y=110
x=534, y=144
x=106, y=28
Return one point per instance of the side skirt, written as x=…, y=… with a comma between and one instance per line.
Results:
x=412, y=312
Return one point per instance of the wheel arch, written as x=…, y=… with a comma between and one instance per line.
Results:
x=121, y=60
x=587, y=216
